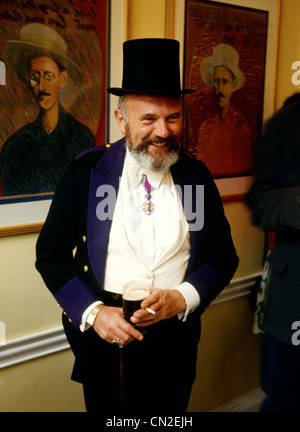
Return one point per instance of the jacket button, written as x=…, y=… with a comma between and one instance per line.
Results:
x=84, y=239
x=85, y=268
x=107, y=145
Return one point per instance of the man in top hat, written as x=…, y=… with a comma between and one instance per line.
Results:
x=140, y=210
x=227, y=133
x=34, y=158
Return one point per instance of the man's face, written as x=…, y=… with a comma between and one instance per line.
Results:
x=224, y=86
x=153, y=130
x=46, y=80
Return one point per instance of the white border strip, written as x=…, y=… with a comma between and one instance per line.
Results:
x=249, y=402
x=54, y=340
x=237, y=288
x=33, y=346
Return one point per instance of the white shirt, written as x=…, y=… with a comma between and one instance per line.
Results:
x=154, y=248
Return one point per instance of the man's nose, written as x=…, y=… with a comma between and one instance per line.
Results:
x=162, y=129
x=218, y=86
x=42, y=83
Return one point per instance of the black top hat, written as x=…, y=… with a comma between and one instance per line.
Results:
x=150, y=66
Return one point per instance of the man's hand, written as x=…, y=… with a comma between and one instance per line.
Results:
x=165, y=303
x=111, y=326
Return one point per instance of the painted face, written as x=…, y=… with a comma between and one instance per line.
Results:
x=46, y=80
x=224, y=86
x=153, y=130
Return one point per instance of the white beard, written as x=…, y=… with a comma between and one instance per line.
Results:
x=149, y=162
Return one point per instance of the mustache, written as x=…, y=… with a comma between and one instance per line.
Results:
x=173, y=144
x=43, y=94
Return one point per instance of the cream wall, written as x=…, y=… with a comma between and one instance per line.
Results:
x=228, y=364
x=146, y=18
x=289, y=49
x=26, y=307
x=41, y=385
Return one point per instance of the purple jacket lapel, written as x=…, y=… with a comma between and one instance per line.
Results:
x=105, y=176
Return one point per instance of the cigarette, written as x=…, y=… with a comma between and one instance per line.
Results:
x=150, y=311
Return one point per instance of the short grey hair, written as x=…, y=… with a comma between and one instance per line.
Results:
x=122, y=108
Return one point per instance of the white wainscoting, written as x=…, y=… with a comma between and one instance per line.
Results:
x=33, y=346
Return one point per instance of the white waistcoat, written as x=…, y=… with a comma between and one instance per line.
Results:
x=154, y=248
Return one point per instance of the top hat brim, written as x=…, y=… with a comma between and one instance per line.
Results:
x=118, y=91
x=16, y=56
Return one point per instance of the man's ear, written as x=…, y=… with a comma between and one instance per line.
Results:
x=121, y=121
x=63, y=78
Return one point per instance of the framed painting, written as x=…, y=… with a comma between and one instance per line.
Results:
x=54, y=74
x=225, y=54
x=229, y=58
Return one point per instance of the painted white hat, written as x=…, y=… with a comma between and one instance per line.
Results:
x=223, y=55
x=39, y=40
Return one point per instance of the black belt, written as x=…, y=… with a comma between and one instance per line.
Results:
x=111, y=298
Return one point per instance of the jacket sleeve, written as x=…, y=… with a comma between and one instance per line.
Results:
x=275, y=194
x=55, y=250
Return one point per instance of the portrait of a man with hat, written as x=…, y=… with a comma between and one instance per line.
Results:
x=34, y=158
x=227, y=133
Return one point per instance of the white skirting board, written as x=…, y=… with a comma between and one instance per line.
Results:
x=47, y=342
x=250, y=402
x=33, y=346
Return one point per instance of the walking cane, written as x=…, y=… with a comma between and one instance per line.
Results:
x=122, y=384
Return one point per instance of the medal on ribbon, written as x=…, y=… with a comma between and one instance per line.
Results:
x=148, y=206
